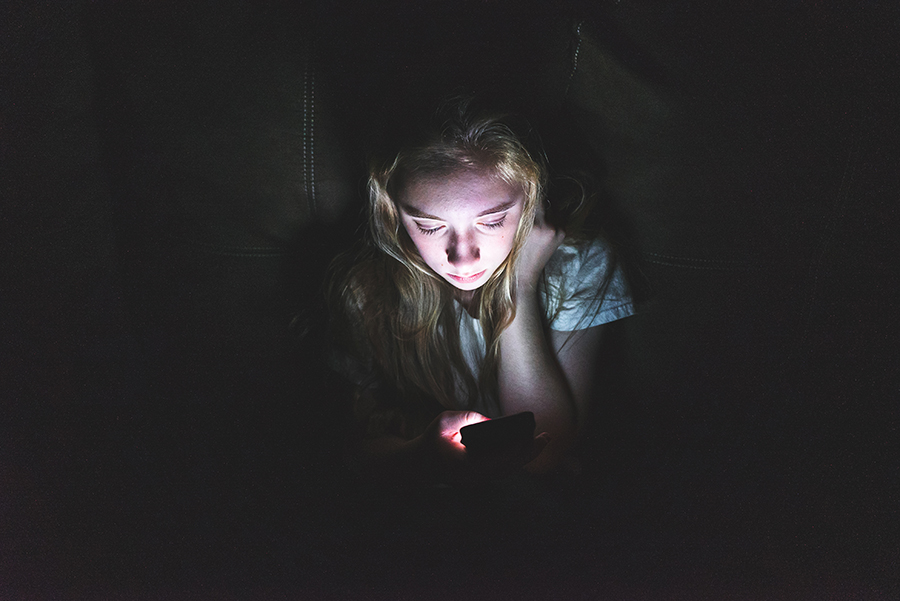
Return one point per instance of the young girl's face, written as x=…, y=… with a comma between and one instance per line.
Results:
x=463, y=225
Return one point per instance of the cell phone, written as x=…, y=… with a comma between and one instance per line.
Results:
x=494, y=435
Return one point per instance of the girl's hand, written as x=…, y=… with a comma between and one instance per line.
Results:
x=542, y=242
x=442, y=436
x=442, y=439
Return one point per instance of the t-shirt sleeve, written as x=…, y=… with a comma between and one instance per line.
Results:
x=577, y=295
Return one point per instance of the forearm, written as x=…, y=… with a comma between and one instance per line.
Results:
x=530, y=379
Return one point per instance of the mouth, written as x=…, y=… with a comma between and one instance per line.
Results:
x=467, y=279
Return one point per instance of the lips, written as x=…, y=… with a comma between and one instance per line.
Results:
x=467, y=279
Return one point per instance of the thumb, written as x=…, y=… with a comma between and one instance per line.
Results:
x=465, y=418
x=540, y=443
x=451, y=422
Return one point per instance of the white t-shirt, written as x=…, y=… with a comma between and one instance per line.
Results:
x=571, y=301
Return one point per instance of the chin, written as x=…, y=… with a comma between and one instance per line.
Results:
x=467, y=288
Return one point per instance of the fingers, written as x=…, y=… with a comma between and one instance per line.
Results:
x=471, y=417
x=507, y=462
x=452, y=421
x=465, y=467
x=449, y=424
x=542, y=225
x=540, y=219
x=559, y=237
x=540, y=442
x=539, y=214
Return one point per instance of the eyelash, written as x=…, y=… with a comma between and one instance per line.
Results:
x=490, y=226
x=428, y=232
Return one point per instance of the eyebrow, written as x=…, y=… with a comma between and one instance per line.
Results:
x=414, y=212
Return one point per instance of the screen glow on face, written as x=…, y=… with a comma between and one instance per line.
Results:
x=463, y=225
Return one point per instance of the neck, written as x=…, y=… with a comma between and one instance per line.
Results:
x=466, y=298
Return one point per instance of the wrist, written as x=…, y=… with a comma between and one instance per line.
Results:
x=526, y=292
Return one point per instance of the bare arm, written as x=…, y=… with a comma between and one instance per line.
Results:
x=550, y=374
x=577, y=354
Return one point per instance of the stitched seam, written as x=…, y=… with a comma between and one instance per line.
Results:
x=705, y=267
x=237, y=254
x=304, y=158
x=312, y=130
x=697, y=260
x=243, y=251
x=574, y=59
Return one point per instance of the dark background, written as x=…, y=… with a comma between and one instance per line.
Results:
x=175, y=180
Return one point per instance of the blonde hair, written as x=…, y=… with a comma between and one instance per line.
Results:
x=400, y=305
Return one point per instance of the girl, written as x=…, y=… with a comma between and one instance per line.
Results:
x=464, y=303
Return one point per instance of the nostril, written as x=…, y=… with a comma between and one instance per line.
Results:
x=462, y=252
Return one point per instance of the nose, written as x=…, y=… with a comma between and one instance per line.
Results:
x=463, y=251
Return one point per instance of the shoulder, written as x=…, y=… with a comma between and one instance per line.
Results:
x=584, y=286
x=579, y=265
x=577, y=256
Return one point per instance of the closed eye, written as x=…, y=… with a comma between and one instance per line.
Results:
x=495, y=224
x=427, y=230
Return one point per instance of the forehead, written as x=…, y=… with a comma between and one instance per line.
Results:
x=467, y=191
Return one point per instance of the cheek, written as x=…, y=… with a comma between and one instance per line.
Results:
x=428, y=250
x=502, y=247
x=418, y=241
